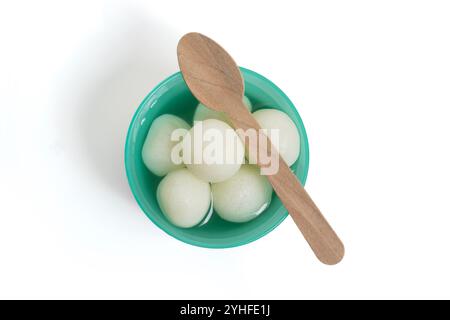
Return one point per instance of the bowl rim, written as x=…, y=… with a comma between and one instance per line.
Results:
x=132, y=184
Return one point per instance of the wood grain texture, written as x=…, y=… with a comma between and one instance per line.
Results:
x=215, y=80
x=209, y=71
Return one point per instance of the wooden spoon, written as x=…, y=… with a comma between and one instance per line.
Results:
x=216, y=81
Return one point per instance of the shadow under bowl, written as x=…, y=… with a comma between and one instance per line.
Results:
x=173, y=96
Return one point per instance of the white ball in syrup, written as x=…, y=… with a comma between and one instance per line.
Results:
x=242, y=197
x=202, y=112
x=212, y=150
x=158, y=146
x=183, y=198
x=288, y=144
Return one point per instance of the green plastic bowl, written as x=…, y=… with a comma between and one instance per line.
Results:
x=173, y=96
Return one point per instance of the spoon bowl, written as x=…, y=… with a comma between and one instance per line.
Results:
x=208, y=81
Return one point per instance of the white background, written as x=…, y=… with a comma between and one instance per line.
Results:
x=371, y=80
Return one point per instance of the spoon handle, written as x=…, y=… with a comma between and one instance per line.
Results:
x=315, y=228
x=326, y=245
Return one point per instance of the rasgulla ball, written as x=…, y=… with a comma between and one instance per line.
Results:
x=158, y=146
x=202, y=112
x=183, y=198
x=212, y=150
x=242, y=197
x=288, y=144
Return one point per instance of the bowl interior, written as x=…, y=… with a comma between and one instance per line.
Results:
x=173, y=96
